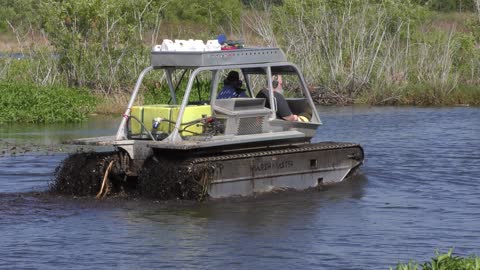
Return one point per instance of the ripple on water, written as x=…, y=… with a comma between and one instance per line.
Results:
x=23, y=173
x=418, y=192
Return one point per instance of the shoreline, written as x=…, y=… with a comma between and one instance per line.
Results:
x=20, y=93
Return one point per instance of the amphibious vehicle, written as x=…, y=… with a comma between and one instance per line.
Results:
x=198, y=146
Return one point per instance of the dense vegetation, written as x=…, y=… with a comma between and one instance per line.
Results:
x=445, y=261
x=32, y=104
x=376, y=51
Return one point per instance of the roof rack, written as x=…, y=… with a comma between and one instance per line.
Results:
x=216, y=58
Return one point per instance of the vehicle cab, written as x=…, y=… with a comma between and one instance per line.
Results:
x=195, y=118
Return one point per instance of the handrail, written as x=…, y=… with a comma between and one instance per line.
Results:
x=122, y=129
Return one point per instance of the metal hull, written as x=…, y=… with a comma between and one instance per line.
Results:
x=297, y=168
x=216, y=173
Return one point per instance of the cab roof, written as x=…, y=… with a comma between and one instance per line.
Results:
x=194, y=59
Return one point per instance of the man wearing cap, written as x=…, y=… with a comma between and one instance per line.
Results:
x=232, y=87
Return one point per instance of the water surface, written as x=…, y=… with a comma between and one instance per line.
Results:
x=417, y=192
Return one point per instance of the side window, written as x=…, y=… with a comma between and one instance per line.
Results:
x=201, y=88
x=231, y=85
x=157, y=90
x=291, y=86
x=257, y=82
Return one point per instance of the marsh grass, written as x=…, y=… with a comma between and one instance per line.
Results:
x=111, y=104
x=463, y=95
x=355, y=57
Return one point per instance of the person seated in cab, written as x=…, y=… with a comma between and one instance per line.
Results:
x=283, y=109
x=232, y=87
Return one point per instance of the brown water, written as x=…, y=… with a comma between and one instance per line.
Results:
x=418, y=191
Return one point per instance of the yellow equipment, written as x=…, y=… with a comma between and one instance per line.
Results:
x=167, y=116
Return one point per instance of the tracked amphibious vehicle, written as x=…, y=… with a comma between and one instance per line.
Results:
x=198, y=146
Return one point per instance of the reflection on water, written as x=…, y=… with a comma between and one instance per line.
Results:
x=46, y=139
x=257, y=211
x=417, y=192
x=56, y=133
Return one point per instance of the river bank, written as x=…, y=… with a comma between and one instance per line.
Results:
x=50, y=104
x=395, y=53
x=351, y=52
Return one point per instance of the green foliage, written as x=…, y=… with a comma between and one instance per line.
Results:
x=99, y=43
x=448, y=5
x=446, y=261
x=19, y=13
x=32, y=104
x=212, y=13
x=467, y=57
x=421, y=94
x=463, y=94
x=310, y=11
x=473, y=25
x=259, y=4
x=14, y=69
x=377, y=51
x=344, y=45
x=37, y=67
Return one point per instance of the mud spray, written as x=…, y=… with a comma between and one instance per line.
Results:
x=83, y=174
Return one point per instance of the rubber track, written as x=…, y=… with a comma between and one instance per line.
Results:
x=306, y=148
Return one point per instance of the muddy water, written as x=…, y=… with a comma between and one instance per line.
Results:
x=418, y=192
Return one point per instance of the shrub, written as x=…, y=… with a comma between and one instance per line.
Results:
x=445, y=261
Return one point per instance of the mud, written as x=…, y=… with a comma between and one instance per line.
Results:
x=162, y=178
x=174, y=178
x=12, y=148
x=81, y=174
x=8, y=148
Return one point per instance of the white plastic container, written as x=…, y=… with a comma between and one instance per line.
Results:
x=213, y=45
x=167, y=46
x=189, y=45
x=197, y=45
x=157, y=48
x=181, y=45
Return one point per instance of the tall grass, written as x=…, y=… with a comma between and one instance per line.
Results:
x=35, y=63
x=359, y=53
